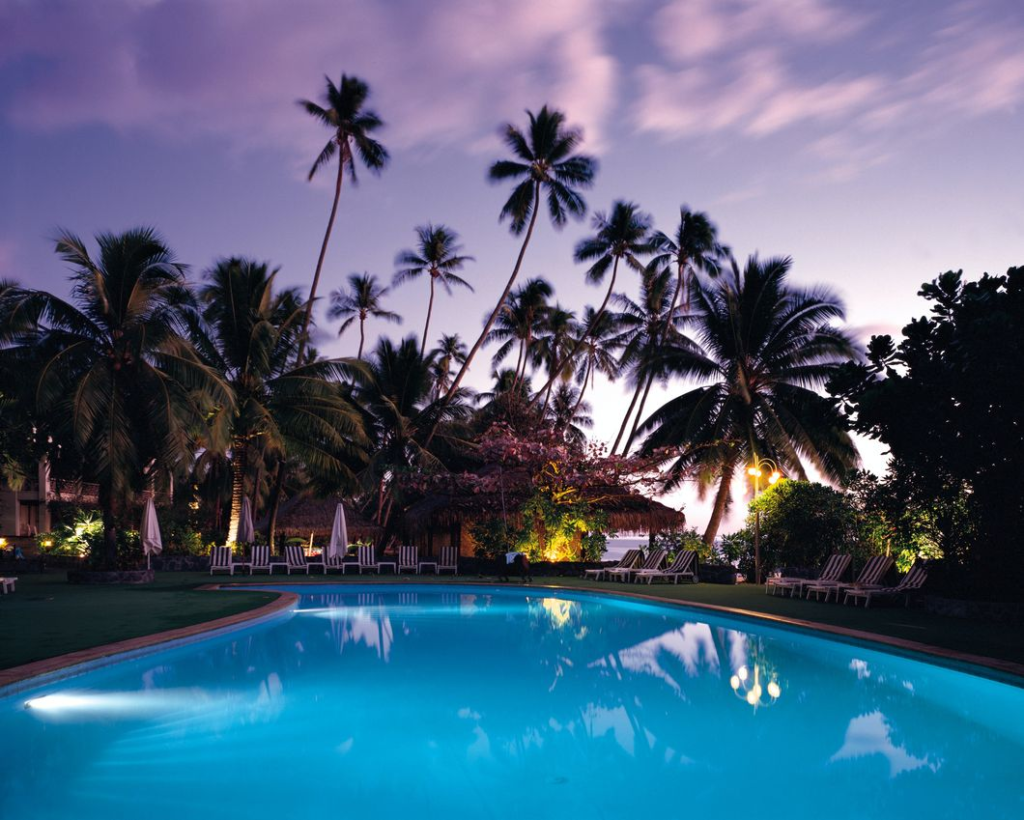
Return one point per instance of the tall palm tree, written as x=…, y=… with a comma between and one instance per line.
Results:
x=281, y=409
x=361, y=301
x=645, y=327
x=693, y=248
x=558, y=334
x=351, y=127
x=520, y=321
x=765, y=347
x=598, y=335
x=437, y=255
x=113, y=369
x=623, y=235
x=570, y=415
x=449, y=353
x=546, y=164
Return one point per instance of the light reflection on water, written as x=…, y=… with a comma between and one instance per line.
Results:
x=612, y=708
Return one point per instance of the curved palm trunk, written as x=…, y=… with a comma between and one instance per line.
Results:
x=320, y=261
x=430, y=309
x=239, y=455
x=275, y=504
x=490, y=321
x=625, y=419
x=582, y=340
x=362, y=337
x=721, y=502
x=583, y=389
x=639, y=415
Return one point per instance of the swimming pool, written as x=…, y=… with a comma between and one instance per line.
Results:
x=497, y=702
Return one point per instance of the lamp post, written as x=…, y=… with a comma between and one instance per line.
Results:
x=758, y=467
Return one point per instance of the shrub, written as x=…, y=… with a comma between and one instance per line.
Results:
x=686, y=539
x=73, y=538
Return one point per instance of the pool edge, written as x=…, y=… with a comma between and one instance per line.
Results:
x=49, y=666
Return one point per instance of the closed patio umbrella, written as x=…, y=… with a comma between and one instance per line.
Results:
x=339, y=534
x=150, y=531
x=246, y=533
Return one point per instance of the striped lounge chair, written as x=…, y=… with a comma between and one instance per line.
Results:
x=295, y=558
x=870, y=577
x=221, y=560
x=625, y=562
x=909, y=584
x=259, y=559
x=655, y=559
x=408, y=559
x=449, y=560
x=684, y=566
x=833, y=570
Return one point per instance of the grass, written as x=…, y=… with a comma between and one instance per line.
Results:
x=48, y=617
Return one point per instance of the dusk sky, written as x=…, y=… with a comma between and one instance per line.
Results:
x=878, y=143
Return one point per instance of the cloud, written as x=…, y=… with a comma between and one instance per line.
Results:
x=441, y=75
x=754, y=68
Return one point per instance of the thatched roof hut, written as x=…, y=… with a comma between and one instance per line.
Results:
x=304, y=514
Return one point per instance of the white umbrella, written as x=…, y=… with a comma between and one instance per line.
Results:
x=246, y=533
x=339, y=534
x=151, y=541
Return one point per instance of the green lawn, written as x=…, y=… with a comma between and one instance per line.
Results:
x=48, y=617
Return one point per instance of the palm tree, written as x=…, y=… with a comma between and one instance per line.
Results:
x=112, y=368
x=351, y=126
x=520, y=321
x=598, y=335
x=361, y=301
x=558, y=333
x=622, y=235
x=765, y=346
x=437, y=254
x=645, y=326
x=571, y=415
x=281, y=409
x=545, y=164
x=449, y=353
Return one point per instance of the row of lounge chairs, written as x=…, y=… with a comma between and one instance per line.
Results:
x=866, y=587
x=260, y=560
x=634, y=567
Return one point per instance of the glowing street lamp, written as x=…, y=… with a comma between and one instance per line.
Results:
x=758, y=468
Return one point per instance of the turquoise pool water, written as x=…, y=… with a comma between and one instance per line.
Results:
x=483, y=702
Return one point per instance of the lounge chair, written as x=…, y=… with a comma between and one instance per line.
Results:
x=408, y=559
x=7, y=585
x=684, y=566
x=338, y=562
x=655, y=559
x=870, y=575
x=222, y=560
x=910, y=583
x=367, y=558
x=259, y=559
x=295, y=558
x=833, y=570
x=628, y=560
x=449, y=560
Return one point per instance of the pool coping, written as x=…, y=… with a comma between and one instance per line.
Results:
x=1005, y=671
x=11, y=677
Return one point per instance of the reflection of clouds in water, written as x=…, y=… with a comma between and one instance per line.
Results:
x=864, y=672
x=691, y=644
x=739, y=651
x=368, y=624
x=600, y=721
x=869, y=735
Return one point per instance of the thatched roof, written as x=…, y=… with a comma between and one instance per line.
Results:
x=627, y=510
x=304, y=514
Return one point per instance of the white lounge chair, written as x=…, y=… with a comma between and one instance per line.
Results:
x=449, y=560
x=222, y=560
x=338, y=562
x=367, y=558
x=295, y=558
x=870, y=575
x=626, y=561
x=911, y=582
x=655, y=560
x=259, y=559
x=408, y=559
x=833, y=570
x=684, y=566
x=7, y=585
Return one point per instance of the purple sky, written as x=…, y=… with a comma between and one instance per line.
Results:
x=878, y=143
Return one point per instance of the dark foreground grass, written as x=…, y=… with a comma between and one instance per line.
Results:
x=48, y=617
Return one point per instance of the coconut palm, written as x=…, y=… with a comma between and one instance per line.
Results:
x=623, y=235
x=112, y=368
x=598, y=335
x=570, y=415
x=281, y=409
x=449, y=354
x=558, y=334
x=360, y=302
x=646, y=326
x=764, y=348
x=520, y=322
x=545, y=165
x=351, y=127
x=438, y=255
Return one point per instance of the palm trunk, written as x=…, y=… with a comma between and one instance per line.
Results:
x=494, y=315
x=721, y=502
x=275, y=503
x=430, y=309
x=238, y=459
x=582, y=340
x=520, y=362
x=625, y=419
x=323, y=253
x=108, y=556
x=639, y=415
x=583, y=389
x=362, y=337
